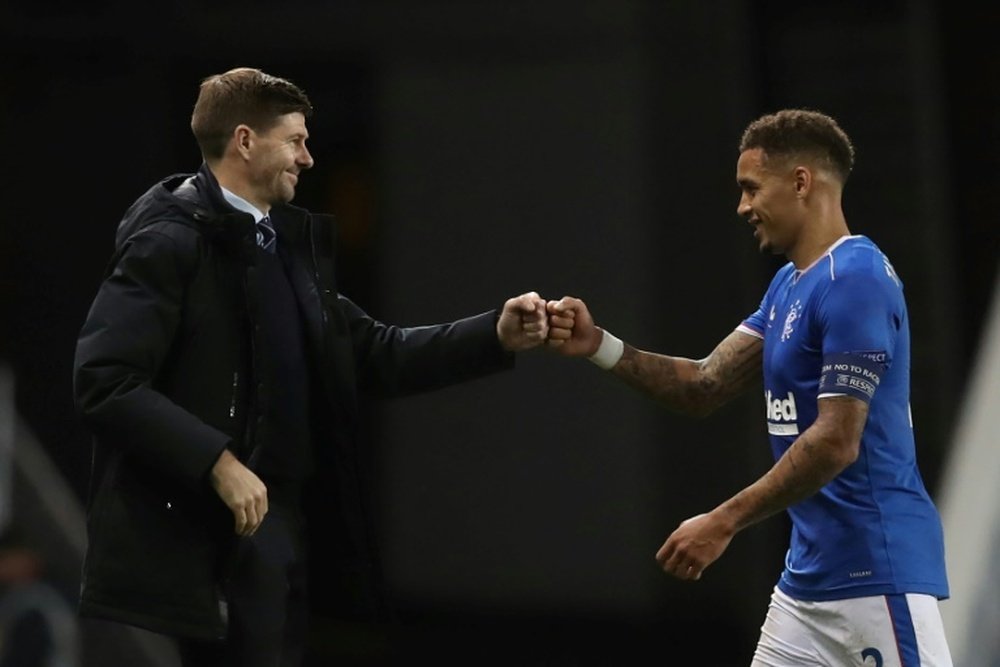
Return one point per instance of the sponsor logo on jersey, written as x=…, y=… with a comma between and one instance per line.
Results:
x=782, y=417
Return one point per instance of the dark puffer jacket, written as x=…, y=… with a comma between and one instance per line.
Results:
x=165, y=379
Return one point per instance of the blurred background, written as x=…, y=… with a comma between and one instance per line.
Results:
x=472, y=151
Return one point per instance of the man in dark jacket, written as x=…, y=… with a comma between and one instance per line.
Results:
x=219, y=370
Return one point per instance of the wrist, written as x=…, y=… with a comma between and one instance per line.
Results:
x=608, y=352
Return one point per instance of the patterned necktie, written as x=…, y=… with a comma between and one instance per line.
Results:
x=265, y=234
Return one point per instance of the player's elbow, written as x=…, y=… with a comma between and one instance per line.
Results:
x=705, y=395
x=845, y=452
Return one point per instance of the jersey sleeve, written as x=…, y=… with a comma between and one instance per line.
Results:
x=756, y=323
x=860, y=315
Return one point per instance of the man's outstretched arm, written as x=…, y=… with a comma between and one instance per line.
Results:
x=690, y=386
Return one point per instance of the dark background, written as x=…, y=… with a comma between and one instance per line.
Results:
x=475, y=150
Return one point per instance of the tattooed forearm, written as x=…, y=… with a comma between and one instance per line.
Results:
x=801, y=472
x=674, y=381
x=689, y=386
x=818, y=455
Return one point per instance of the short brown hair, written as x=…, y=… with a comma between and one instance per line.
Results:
x=242, y=95
x=802, y=132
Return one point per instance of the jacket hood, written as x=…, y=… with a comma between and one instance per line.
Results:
x=183, y=198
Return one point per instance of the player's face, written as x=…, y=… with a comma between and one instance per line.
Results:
x=277, y=158
x=768, y=201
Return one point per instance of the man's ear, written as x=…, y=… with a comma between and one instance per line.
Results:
x=243, y=139
x=803, y=180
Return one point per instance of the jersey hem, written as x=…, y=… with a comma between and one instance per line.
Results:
x=938, y=591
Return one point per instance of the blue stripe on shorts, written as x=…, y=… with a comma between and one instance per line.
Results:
x=902, y=627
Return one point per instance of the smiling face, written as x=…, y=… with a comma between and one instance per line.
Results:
x=274, y=160
x=771, y=199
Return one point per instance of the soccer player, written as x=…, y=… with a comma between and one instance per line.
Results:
x=865, y=567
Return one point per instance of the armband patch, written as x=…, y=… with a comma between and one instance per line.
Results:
x=854, y=374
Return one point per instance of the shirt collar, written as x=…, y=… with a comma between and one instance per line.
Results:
x=241, y=204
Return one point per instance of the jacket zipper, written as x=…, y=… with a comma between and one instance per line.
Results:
x=232, y=402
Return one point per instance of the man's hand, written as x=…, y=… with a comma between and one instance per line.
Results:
x=242, y=492
x=523, y=323
x=572, y=331
x=696, y=544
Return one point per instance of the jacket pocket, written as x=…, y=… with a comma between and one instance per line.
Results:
x=154, y=551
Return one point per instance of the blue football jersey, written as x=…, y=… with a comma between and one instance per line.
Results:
x=840, y=327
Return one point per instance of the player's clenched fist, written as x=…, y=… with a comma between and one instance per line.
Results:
x=571, y=328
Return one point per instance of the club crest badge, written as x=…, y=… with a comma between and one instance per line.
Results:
x=790, y=319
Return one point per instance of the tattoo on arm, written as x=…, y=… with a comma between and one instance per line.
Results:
x=695, y=387
x=816, y=457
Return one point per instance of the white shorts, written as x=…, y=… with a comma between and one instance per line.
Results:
x=879, y=631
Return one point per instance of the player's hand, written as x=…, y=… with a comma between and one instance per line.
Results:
x=242, y=492
x=572, y=331
x=523, y=323
x=697, y=543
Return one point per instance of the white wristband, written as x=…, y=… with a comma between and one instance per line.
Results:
x=609, y=352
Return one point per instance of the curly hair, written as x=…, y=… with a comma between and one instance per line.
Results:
x=805, y=132
x=242, y=95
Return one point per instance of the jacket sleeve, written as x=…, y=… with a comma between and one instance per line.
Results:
x=395, y=361
x=123, y=343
